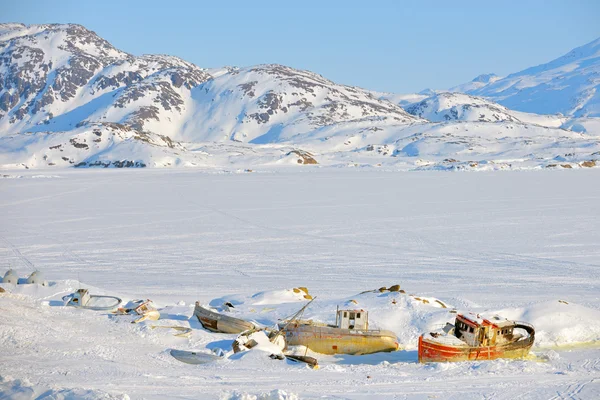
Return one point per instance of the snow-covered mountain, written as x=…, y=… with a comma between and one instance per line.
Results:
x=569, y=85
x=58, y=76
x=55, y=77
x=460, y=107
x=477, y=83
x=448, y=106
x=275, y=103
x=69, y=98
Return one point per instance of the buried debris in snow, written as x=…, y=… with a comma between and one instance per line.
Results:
x=145, y=310
x=180, y=331
x=268, y=340
x=311, y=361
x=194, y=357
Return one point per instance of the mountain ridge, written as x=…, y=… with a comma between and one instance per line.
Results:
x=569, y=84
x=70, y=98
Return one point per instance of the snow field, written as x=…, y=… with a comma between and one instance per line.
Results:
x=513, y=243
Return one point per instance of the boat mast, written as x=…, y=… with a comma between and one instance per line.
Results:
x=292, y=319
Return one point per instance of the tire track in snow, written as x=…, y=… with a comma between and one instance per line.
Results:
x=305, y=235
x=46, y=197
x=573, y=390
x=17, y=253
x=489, y=257
x=508, y=257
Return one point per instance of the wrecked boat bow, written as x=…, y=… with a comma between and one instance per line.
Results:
x=220, y=323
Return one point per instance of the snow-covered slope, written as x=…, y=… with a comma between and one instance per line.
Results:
x=274, y=103
x=53, y=77
x=460, y=107
x=477, y=83
x=88, y=145
x=447, y=106
x=568, y=85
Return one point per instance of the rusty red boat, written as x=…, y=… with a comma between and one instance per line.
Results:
x=473, y=337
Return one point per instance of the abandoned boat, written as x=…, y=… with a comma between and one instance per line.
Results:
x=37, y=277
x=349, y=335
x=82, y=299
x=10, y=277
x=216, y=322
x=475, y=338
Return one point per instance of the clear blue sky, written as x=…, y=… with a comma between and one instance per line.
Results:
x=396, y=46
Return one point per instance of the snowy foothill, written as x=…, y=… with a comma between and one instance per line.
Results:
x=519, y=244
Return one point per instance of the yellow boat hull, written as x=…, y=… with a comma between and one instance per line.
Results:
x=330, y=340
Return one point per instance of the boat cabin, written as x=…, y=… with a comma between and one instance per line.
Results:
x=477, y=331
x=352, y=319
x=144, y=307
x=80, y=298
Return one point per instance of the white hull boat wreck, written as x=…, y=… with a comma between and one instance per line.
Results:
x=82, y=299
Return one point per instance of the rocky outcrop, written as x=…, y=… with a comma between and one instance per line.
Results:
x=304, y=157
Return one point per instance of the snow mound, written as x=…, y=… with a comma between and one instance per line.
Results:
x=559, y=323
x=280, y=296
x=22, y=389
x=276, y=394
x=268, y=297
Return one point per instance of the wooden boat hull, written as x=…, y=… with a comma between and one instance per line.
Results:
x=329, y=340
x=220, y=323
x=431, y=351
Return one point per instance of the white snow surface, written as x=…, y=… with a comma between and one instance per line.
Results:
x=521, y=244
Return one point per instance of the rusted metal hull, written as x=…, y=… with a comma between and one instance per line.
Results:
x=431, y=351
x=330, y=340
x=220, y=323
